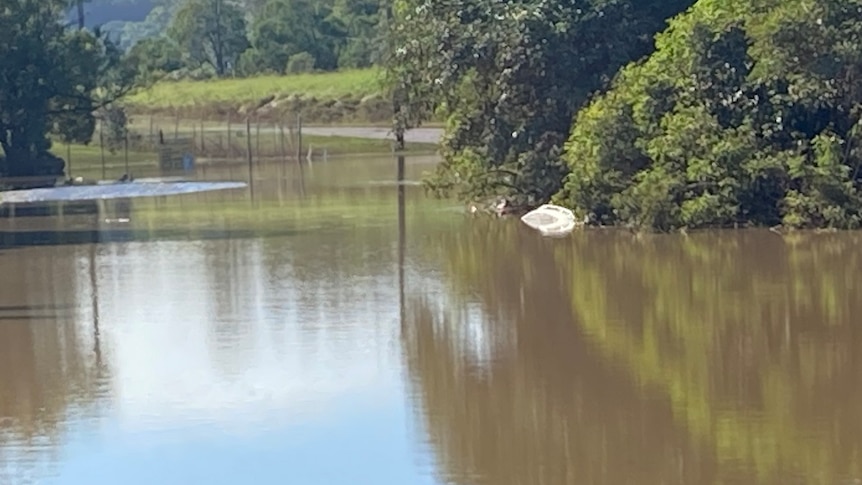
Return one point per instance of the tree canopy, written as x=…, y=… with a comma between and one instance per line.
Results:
x=737, y=112
x=249, y=37
x=509, y=77
x=210, y=32
x=748, y=112
x=287, y=28
x=52, y=79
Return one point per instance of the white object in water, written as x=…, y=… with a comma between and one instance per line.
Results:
x=550, y=220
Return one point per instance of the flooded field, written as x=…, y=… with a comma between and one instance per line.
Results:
x=333, y=326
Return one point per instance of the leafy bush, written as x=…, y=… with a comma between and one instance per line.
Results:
x=299, y=63
x=509, y=77
x=746, y=113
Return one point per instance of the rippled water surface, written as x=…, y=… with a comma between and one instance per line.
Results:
x=332, y=326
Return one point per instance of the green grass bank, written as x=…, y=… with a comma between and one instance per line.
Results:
x=343, y=97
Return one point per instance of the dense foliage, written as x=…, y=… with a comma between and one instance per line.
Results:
x=203, y=38
x=209, y=33
x=748, y=112
x=52, y=80
x=740, y=111
x=509, y=76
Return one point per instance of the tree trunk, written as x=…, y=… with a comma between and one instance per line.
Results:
x=18, y=160
x=24, y=161
x=80, y=14
x=218, y=48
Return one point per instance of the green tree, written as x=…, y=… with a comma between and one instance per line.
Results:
x=285, y=28
x=155, y=57
x=360, y=20
x=508, y=77
x=53, y=79
x=210, y=32
x=302, y=62
x=748, y=112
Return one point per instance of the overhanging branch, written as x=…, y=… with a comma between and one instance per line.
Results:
x=94, y=104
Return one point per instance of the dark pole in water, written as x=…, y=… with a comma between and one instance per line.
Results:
x=69, y=159
x=281, y=141
x=248, y=151
x=126, y=152
x=402, y=237
x=299, y=154
x=257, y=135
x=299, y=138
x=102, y=149
x=94, y=300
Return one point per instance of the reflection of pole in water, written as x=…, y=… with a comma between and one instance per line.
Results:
x=94, y=299
x=249, y=157
x=123, y=209
x=301, y=180
x=401, y=235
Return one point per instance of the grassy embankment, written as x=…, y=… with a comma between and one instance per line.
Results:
x=344, y=97
x=351, y=97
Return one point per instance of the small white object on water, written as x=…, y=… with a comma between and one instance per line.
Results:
x=550, y=220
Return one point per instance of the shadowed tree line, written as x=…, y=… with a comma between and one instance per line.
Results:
x=206, y=38
x=53, y=79
x=738, y=112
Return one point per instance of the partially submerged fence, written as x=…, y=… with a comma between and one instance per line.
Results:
x=177, y=145
x=231, y=139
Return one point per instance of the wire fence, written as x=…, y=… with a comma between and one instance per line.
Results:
x=233, y=140
x=230, y=139
x=178, y=145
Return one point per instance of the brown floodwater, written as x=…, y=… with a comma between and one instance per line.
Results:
x=331, y=326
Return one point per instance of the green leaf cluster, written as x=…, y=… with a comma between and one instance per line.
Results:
x=509, y=76
x=746, y=113
x=52, y=79
x=206, y=38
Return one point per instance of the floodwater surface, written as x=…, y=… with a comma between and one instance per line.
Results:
x=332, y=326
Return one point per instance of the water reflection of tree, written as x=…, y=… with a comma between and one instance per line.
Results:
x=550, y=410
x=741, y=340
x=751, y=335
x=50, y=364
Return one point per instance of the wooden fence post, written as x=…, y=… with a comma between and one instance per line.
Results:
x=248, y=148
x=257, y=136
x=281, y=141
x=299, y=138
x=203, y=138
x=229, y=145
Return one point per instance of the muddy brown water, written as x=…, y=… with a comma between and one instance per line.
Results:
x=337, y=328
